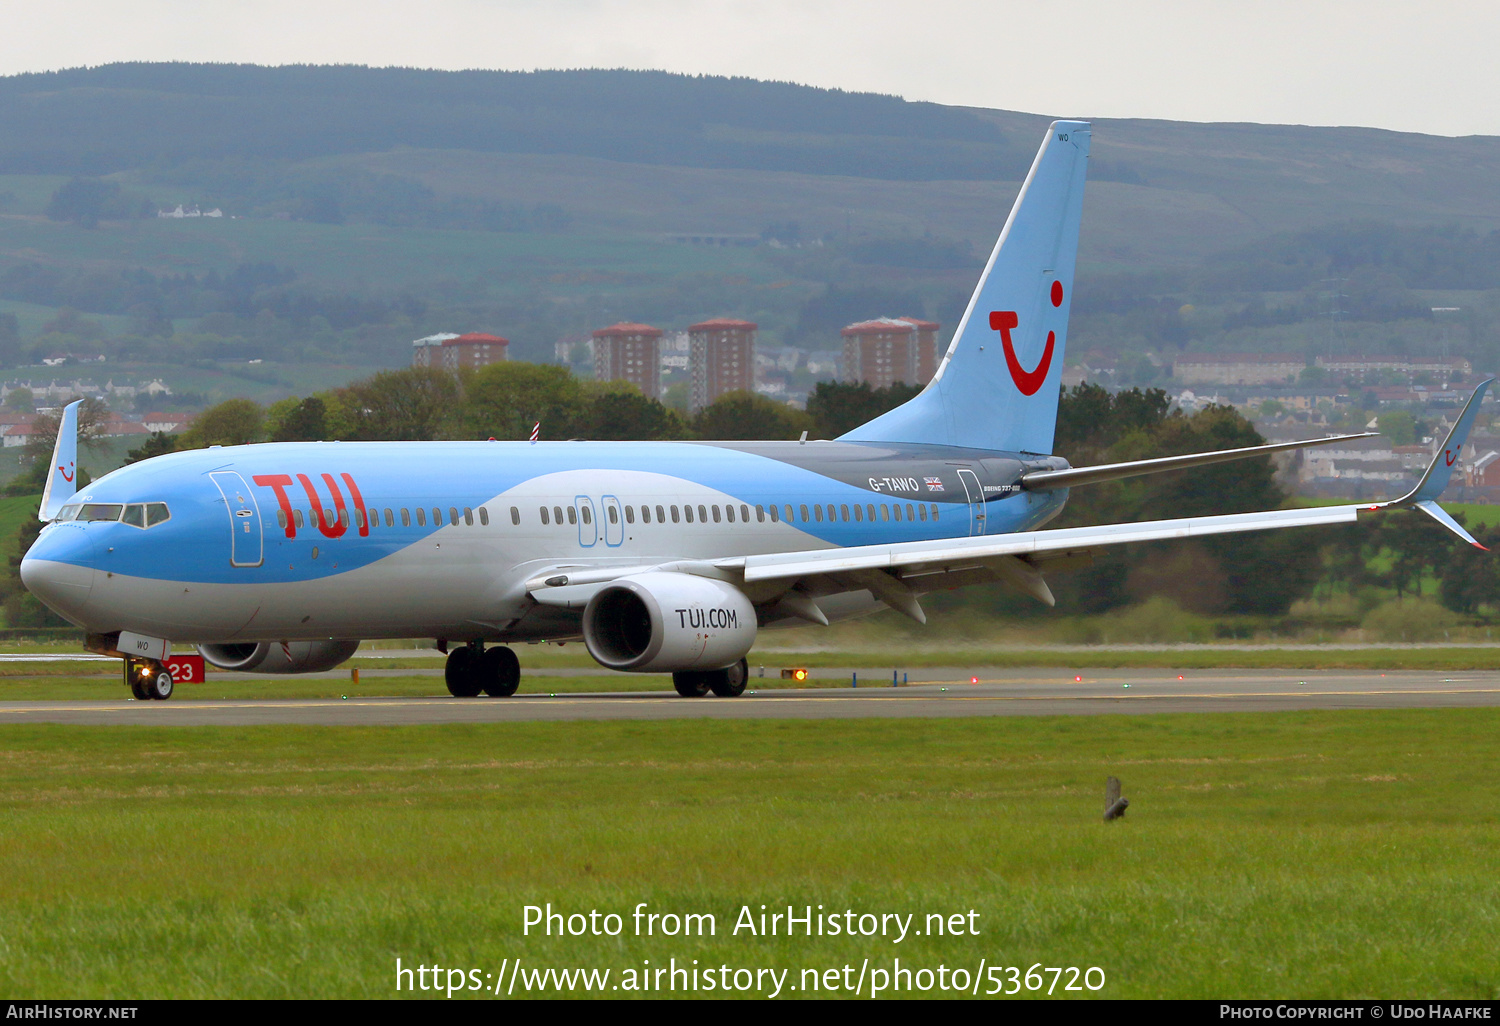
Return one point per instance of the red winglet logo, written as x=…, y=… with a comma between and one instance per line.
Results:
x=1452, y=454
x=67, y=475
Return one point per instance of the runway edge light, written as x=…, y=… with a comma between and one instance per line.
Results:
x=798, y=674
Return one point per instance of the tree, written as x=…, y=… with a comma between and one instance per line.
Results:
x=232, y=422
x=21, y=399
x=10, y=339
x=299, y=420
x=504, y=400
x=21, y=607
x=412, y=404
x=1470, y=578
x=744, y=416
x=85, y=201
x=837, y=407
x=627, y=416
x=1399, y=426
x=158, y=443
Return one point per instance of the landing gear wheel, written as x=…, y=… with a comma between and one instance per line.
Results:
x=461, y=673
x=500, y=671
x=690, y=683
x=159, y=685
x=138, y=688
x=730, y=682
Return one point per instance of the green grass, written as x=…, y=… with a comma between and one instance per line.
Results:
x=1311, y=854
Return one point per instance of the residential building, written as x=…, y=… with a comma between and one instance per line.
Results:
x=450, y=352
x=629, y=352
x=1237, y=368
x=721, y=358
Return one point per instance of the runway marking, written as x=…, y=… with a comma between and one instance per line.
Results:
x=210, y=704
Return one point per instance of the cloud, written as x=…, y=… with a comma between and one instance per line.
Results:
x=1379, y=63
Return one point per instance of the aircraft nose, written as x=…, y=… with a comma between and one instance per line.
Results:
x=59, y=569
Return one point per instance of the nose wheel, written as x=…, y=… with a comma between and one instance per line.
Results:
x=726, y=683
x=149, y=680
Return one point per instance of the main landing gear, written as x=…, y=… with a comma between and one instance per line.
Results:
x=148, y=679
x=726, y=683
x=473, y=668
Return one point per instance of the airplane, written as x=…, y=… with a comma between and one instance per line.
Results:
x=661, y=557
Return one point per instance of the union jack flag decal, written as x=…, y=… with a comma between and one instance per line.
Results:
x=934, y=484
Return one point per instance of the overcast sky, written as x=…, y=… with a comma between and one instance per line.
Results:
x=1427, y=67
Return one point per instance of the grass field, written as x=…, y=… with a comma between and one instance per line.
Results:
x=1293, y=854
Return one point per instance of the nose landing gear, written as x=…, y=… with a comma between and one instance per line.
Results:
x=149, y=679
x=726, y=683
x=472, y=669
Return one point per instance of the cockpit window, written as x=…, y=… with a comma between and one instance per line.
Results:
x=135, y=516
x=68, y=513
x=100, y=511
x=156, y=512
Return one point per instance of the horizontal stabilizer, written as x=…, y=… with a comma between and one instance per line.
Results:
x=1043, y=480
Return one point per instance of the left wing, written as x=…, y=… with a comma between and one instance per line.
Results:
x=897, y=573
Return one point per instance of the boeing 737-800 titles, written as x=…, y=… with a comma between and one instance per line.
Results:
x=659, y=556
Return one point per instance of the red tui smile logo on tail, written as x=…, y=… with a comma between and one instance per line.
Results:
x=1003, y=321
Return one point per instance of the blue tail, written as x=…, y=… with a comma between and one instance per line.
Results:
x=997, y=386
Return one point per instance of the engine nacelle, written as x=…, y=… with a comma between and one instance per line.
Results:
x=663, y=621
x=279, y=656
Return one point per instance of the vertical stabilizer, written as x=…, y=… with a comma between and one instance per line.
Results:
x=63, y=477
x=997, y=386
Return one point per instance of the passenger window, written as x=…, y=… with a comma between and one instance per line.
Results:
x=922, y=510
x=156, y=513
x=896, y=512
x=573, y=515
x=744, y=513
x=911, y=512
x=614, y=515
x=844, y=513
x=818, y=513
x=297, y=517
x=661, y=519
x=716, y=513
x=544, y=515
x=344, y=519
x=645, y=514
x=870, y=511
x=674, y=514
x=557, y=514
x=390, y=519
x=804, y=513
x=858, y=513
x=703, y=514
x=468, y=517
x=588, y=515
x=760, y=513
x=629, y=514
x=405, y=517
x=484, y=517
x=885, y=512
x=934, y=511
x=687, y=511
x=135, y=516
x=421, y=517
x=775, y=513
x=515, y=515
x=359, y=517
x=831, y=514
x=728, y=513
x=437, y=517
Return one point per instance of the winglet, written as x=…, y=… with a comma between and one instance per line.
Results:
x=1436, y=479
x=62, y=482
x=1439, y=514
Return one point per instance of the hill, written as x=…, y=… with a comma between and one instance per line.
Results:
x=364, y=206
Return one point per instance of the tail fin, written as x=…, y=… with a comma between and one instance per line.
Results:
x=997, y=386
x=1424, y=496
x=62, y=480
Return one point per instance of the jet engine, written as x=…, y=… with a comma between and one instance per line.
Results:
x=279, y=656
x=666, y=621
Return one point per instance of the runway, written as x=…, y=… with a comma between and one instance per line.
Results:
x=1008, y=692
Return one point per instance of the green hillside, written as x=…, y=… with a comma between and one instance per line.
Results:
x=365, y=207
